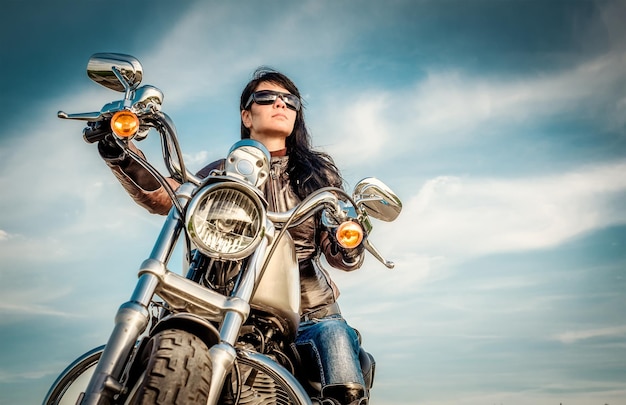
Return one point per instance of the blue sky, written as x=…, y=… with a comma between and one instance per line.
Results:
x=501, y=125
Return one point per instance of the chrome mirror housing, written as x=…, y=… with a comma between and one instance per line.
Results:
x=147, y=96
x=115, y=71
x=376, y=199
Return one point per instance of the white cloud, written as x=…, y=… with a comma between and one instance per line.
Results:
x=33, y=299
x=17, y=247
x=450, y=106
x=577, y=392
x=196, y=159
x=374, y=279
x=578, y=335
x=357, y=131
x=460, y=217
x=23, y=308
x=456, y=101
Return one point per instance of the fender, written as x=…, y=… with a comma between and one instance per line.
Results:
x=200, y=327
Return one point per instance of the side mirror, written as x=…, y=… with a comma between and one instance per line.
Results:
x=376, y=199
x=115, y=71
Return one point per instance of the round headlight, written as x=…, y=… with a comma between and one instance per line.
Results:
x=226, y=221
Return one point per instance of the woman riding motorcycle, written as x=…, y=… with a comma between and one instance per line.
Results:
x=271, y=112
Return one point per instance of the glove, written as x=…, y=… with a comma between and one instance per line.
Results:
x=111, y=152
x=351, y=257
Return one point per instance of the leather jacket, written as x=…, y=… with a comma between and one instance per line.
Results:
x=310, y=238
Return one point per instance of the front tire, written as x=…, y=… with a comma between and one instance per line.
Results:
x=74, y=379
x=178, y=370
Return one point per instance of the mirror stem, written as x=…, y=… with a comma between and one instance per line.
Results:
x=127, y=88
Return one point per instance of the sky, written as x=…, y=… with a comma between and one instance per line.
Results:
x=500, y=124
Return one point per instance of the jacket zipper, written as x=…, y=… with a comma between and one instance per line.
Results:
x=272, y=188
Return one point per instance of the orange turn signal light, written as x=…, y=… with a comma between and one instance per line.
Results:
x=349, y=234
x=124, y=124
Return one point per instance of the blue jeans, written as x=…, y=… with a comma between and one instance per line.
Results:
x=331, y=346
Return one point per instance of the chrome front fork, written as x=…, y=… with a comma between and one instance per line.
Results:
x=130, y=322
x=223, y=354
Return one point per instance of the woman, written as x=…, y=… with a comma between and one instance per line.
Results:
x=271, y=113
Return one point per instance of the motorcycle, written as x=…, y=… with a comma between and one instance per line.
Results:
x=223, y=333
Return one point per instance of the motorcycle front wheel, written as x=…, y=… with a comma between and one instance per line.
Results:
x=74, y=379
x=178, y=370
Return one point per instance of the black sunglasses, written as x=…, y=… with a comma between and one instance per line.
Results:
x=267, y=97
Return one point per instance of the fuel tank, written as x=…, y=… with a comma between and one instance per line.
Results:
x=278, y=292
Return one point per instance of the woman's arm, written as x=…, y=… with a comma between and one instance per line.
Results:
x=140, y=184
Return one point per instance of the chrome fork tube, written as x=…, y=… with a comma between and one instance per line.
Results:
x=223, y=355
x=130, y=322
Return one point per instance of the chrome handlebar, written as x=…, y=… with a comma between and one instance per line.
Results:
x=327, y=199
x=146, y=101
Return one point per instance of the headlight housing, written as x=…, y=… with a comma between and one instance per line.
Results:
x=226, y=220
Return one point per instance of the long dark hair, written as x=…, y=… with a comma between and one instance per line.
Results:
x=308, y=169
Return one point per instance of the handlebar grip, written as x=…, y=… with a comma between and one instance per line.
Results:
x=96, y=131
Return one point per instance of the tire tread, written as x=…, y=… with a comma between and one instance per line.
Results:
x=178, y=371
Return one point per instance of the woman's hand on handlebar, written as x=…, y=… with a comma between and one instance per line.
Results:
x=110, y=151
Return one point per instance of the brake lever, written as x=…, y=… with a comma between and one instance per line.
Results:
x=370, y=248
x=89, y=116
x=108, y=110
